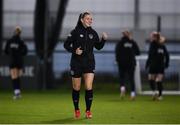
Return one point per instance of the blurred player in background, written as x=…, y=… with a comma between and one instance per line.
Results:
x=81, y=43
x=15, y=48
x=157, y=62
x=126, y=50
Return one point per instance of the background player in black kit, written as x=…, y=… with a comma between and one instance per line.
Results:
x=158, y=60
x=16, y=49
x=126, y=50
x=80, y=43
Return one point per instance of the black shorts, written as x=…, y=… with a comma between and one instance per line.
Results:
x=126, y=71
x=78, y=72
x=156, y=70
x=16, y=64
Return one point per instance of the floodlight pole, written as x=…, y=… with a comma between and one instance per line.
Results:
x=136, y=14
x=1, y=25
x=159, y=23
x=46, y=35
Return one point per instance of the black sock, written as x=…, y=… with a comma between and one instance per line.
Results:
x=75, y=97
x=16, y=83
x=88, y=99
x=160, y=87
x=152, y=85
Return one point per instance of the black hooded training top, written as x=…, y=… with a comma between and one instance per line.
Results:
x=15, y=48
x=86, y=39
x=126, y=50
x=158, y=56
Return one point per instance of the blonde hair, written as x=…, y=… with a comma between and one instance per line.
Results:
x=162, y=39
x=18, y=30
x=127, y=33
x=157, y=36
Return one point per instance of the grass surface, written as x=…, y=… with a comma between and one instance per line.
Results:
x=55, y=107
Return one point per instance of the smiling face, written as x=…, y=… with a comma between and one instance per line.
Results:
x=86, y=19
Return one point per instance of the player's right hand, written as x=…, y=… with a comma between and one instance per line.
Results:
x=79, y=51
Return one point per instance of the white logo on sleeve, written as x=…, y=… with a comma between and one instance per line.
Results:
x=81, y=35
x=72, y=72
x=69, y=35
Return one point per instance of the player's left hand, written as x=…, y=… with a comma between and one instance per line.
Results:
x=104, y=35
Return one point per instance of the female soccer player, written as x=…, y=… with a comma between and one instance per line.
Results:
x=126, y=50
x=157, y=62
x=16, y=49
x=80, y=43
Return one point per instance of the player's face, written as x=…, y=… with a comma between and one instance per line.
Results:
x=87, y=20
x=152, y=36
x=17, y=31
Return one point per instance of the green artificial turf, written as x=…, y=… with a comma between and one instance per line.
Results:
x=55, y=107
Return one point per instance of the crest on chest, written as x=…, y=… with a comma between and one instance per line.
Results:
x=90, y=36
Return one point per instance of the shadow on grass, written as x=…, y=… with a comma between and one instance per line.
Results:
x=62, y=121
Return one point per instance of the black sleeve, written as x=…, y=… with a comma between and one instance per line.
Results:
x=166, y=57
x=136, y=48
x=149, y=56
x=23, y=48
x=7, y=48
x=68, y=43
x=118, y=50
x=99, y=44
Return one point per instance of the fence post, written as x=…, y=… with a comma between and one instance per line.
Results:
x=137, y=78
